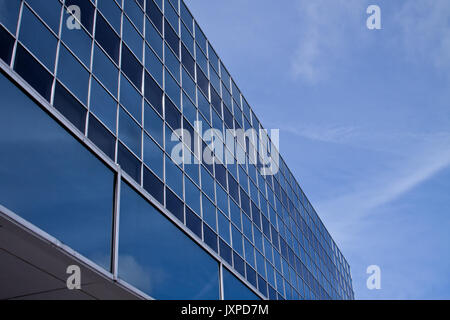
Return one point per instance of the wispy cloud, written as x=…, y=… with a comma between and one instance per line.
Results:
x=324, y=36
x=425, y=31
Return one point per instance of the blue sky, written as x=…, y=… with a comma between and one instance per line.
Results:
x=365, y=122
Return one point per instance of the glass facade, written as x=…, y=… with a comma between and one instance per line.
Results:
x=128, y=75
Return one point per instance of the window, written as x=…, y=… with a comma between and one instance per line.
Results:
x=192, y=195
x=154, y=14
x=103, y=105
x=70, y=108
x=188, y=61
x=151, y=244
x=79, y=42
x=210, y=237
x=193, y=222
x=132, y=38
x=234, y=289
x=153, y=156
x=129, y=163
x=173, y=115
x=9, y=14
x=44, y=46
x=174, y=177
x=129, y=132
x=171, y=38
x=33, y=72
x=73, y=74
x=132, y=67
x=7, y=42
x=153, y=93
x=171, y=15
x=87, y=9
x=203, y=83
x=62, y=170
x=154, y=39
x=172, y=89
x=200, y=37
x=135, y=13
x=130, y=98
x=172, y=63
x=153, y=124
x=186, y=17
x=105, y=70
x=102, y=137
x=107, y=38
x=174, y=205
x=50, y=11
x=153, y=185
x=112, y=13
x=153, y=65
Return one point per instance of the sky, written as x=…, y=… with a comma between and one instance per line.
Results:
x=364, y=119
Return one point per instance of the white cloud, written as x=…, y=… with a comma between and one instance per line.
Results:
x=425, y=31
x=327, y=28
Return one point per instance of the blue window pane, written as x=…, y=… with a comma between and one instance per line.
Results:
x=172, y=64
x=153, y=124
x=192, y=195
x=154, y=39
x=174, y=177
x=237, y=241
x=153, y=93
x=80, y=43
x=209, y=213
x=202, y=61
x=134, y=13
x=174, y=205
x=87, y=12
x=224, y=227
x=187, y=17
x=225, y=251
x=130, y=98
x=153, y=185
x=154, y=14
x=249, y=253
x=247, y=227
x=153, y=156
x=172, y=89
x=107, y=38
x=73, y=74
x=129, y=132
x=132, y=67
x=33, y=72
x=188, y=85
x=105, y=70
x=189, y=110
x=132, y=38
x=43, y=46
x=150, y=244
x=210, y=237
x=9, y=14
x=208, y=184
x=171, y=15
x=49, y=11
x=171, y=38
x=239, y=264
x=102, y=137
x=103, y=105
x=65, y=103
x=153, y=65
x=111, y=11
x=193, y=222
x=172, y=115
x=200, y=37
x=79, y=176
x=7, y=42
x=187, y=39
x=234, y=289
x=129, y=163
